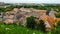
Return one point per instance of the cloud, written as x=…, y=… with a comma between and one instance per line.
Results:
x=31, y=1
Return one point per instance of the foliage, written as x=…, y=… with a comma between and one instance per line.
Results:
x=31, y=22
x=41, y=26
x=57, y=30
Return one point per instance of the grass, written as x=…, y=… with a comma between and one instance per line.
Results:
x=57, y=30
x=14, y=29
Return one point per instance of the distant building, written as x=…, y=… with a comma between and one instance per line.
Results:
x=2, y=3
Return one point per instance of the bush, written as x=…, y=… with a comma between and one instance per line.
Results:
x=41, y=26
x=31, y=22
x=57, y=30
x=58, y=23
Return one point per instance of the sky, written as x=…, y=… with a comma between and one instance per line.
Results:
x=30, y=1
